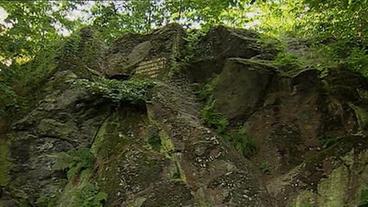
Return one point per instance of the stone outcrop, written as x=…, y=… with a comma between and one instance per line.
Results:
x=309, y=131
x=221, y=43
x=134, y=50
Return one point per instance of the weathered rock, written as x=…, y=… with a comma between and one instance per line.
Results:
x=298, y=118
x=309, y=131
x=132, y=172
x=212, y=170
x=58, y=124
x=241, y=87
x=143, y=54
x=219, y=44
x=82, y=54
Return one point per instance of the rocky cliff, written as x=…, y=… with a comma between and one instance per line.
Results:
x=144, y=123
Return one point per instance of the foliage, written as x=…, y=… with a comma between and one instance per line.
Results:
x=328, y=141
x=238, y=138
x=75, y=161
x=18, y=81
x=277, y=18
x=82, y=52
x=78, y=162
x=287, y=61
x=130, y=91
x=192, y=39
x=8, y=98
x=31, y=26
x=364, y=197
x=338, y=29
x=358, y=61
x=154, y=140
x=205, y=93
x=90, y=196
x=208, y=113
x=338, y=20
x=265, y=167
x=242, y=142
x=213, y=118
x=116, y=17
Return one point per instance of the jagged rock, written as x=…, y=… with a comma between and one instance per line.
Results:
x=214, y=173
x=82, y=54
x=241, y=86
x=130, y=50
x=56, y=125
x=309, y=131
x=219, y=44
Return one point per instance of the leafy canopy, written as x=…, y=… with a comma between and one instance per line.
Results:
x=29, y=35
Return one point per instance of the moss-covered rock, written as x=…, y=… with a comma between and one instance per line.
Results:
x=221, y=43
x=4, y=163
x=158, y=152
x=342, y=187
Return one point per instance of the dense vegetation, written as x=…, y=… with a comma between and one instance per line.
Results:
x=335, y=31
x=51, y=47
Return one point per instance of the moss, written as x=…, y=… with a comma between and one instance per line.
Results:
x=202, y=199
x=363, y=201
x=128, y=148
x=332, y=190
x=176, y=172
x=74, y=161
x=361, y=116
x=206, y=92
x=337, y=189
x=99, y=138
x=114, y=134
x=132, y=169
x=167, y=144
x=304, y=199
x=132, y=91
x=265, y=167
x=4, y=163
x=242, y=142
x=82, y=193
x=154, y=139
x=287, y=62
x=138, y=202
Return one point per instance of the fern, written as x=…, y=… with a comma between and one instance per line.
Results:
x=74, y=161
x=131, y=91
x=214, y=119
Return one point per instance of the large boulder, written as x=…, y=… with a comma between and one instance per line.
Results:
x=241, y=87
x=221, y=43
x=66, y=118
x=149, y=54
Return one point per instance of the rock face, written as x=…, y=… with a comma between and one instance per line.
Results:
x=308, y=132
x=132, y=49
x=241, y=87
x=66, y=118
x=221, y=43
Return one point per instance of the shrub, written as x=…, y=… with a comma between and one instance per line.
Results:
x=90, y=196
x=243, y=142
x=265, y=168
x=84, y=193
x=131, y=91
x=358, y=61
x=287, y=61
x=214, y=119
x=75, y=161
x=364, y=197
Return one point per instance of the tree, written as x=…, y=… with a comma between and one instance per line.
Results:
x=31, y=26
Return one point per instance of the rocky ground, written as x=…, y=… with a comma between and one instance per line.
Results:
x=304, y=141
